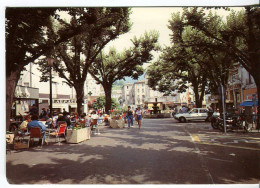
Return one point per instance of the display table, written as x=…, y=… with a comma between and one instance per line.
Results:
x=79, y=135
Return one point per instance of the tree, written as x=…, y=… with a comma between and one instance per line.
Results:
x=76, y=55
x=100, y=103
x=240, y=35
x=26, y=30
x=114, y=66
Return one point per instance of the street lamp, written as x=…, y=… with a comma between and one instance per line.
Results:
x=50, y=63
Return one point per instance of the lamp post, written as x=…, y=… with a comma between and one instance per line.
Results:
x=50, y=63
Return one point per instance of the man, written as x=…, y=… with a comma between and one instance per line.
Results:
x=184, y=109
x=44, y=114
x=129, y=115
x=36, y=123
x=33, y=110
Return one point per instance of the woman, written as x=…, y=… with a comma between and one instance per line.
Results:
x=23, y=126
x=139, y=115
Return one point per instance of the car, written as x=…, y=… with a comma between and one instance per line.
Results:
x=194, y=114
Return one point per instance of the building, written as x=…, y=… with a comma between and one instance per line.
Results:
x=63, y=96
x=127, y=95
x=240, y=88
x=139, y=93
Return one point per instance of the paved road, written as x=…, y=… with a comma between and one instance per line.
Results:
x=162, y=152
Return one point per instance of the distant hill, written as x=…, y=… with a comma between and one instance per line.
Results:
x=131, y=80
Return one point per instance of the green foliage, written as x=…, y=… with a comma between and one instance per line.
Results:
x=74, y=57
x=101, y=101
x=114, y=66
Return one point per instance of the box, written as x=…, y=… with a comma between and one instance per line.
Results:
x=21, y=144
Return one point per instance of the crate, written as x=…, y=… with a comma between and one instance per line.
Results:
x=21, y=144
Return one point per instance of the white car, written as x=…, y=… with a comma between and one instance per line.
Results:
x=194, y=114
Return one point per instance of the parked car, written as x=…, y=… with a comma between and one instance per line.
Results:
x=194, y=114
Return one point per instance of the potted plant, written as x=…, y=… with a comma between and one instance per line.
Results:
x=78, y=133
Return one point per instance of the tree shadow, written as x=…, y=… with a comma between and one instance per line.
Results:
x=132, y=156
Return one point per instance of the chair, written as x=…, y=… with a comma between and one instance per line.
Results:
x=61, y=122
x=60, y=131
x=35, y=132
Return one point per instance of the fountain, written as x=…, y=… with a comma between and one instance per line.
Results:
x=155, y=108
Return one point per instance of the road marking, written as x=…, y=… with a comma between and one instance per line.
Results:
x=230, y=146
x=203, y=163
x=195, y=138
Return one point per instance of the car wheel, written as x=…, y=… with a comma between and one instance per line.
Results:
x=182, y=119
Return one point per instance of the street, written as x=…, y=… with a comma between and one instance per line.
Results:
x=162, y=152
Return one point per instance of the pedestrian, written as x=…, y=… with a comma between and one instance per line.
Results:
x=139, y=115
x=129, y=115
x=135, y=116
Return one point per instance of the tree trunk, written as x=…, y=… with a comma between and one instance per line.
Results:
x=258, y=98
x=202, y=93
x=198, y=102
x=108, y=92
x=11, y=82
x=80, y=97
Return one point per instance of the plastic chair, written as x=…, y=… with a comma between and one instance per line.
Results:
x=60, y=123
x=60, y=131
x=35, y=132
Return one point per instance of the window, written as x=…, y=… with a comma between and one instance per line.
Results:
x=203, y=111
x=26, y=84
x=45, y=101
x=194, y=111
x=138, y=91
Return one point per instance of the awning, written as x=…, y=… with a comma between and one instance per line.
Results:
x=249, y=103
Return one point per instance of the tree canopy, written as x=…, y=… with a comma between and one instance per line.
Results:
x=114, y=66
x=74, y=56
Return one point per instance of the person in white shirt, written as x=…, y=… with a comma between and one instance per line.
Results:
x=139, y=115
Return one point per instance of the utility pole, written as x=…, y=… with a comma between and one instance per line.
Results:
x=224, y=109
x=30, y=74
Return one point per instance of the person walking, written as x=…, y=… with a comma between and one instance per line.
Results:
x=130, y=116
x=139, y=115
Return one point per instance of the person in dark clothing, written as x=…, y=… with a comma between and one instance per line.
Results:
x=63, y=118
x=34, y=110
x=43, y=114
x=130, y=117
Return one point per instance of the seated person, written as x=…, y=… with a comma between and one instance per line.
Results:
x=23, y=126
x=49, y=123
x=63, y=118
x=36, y=123
x=100, y=118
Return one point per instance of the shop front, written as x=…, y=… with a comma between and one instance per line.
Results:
x=25, y=98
